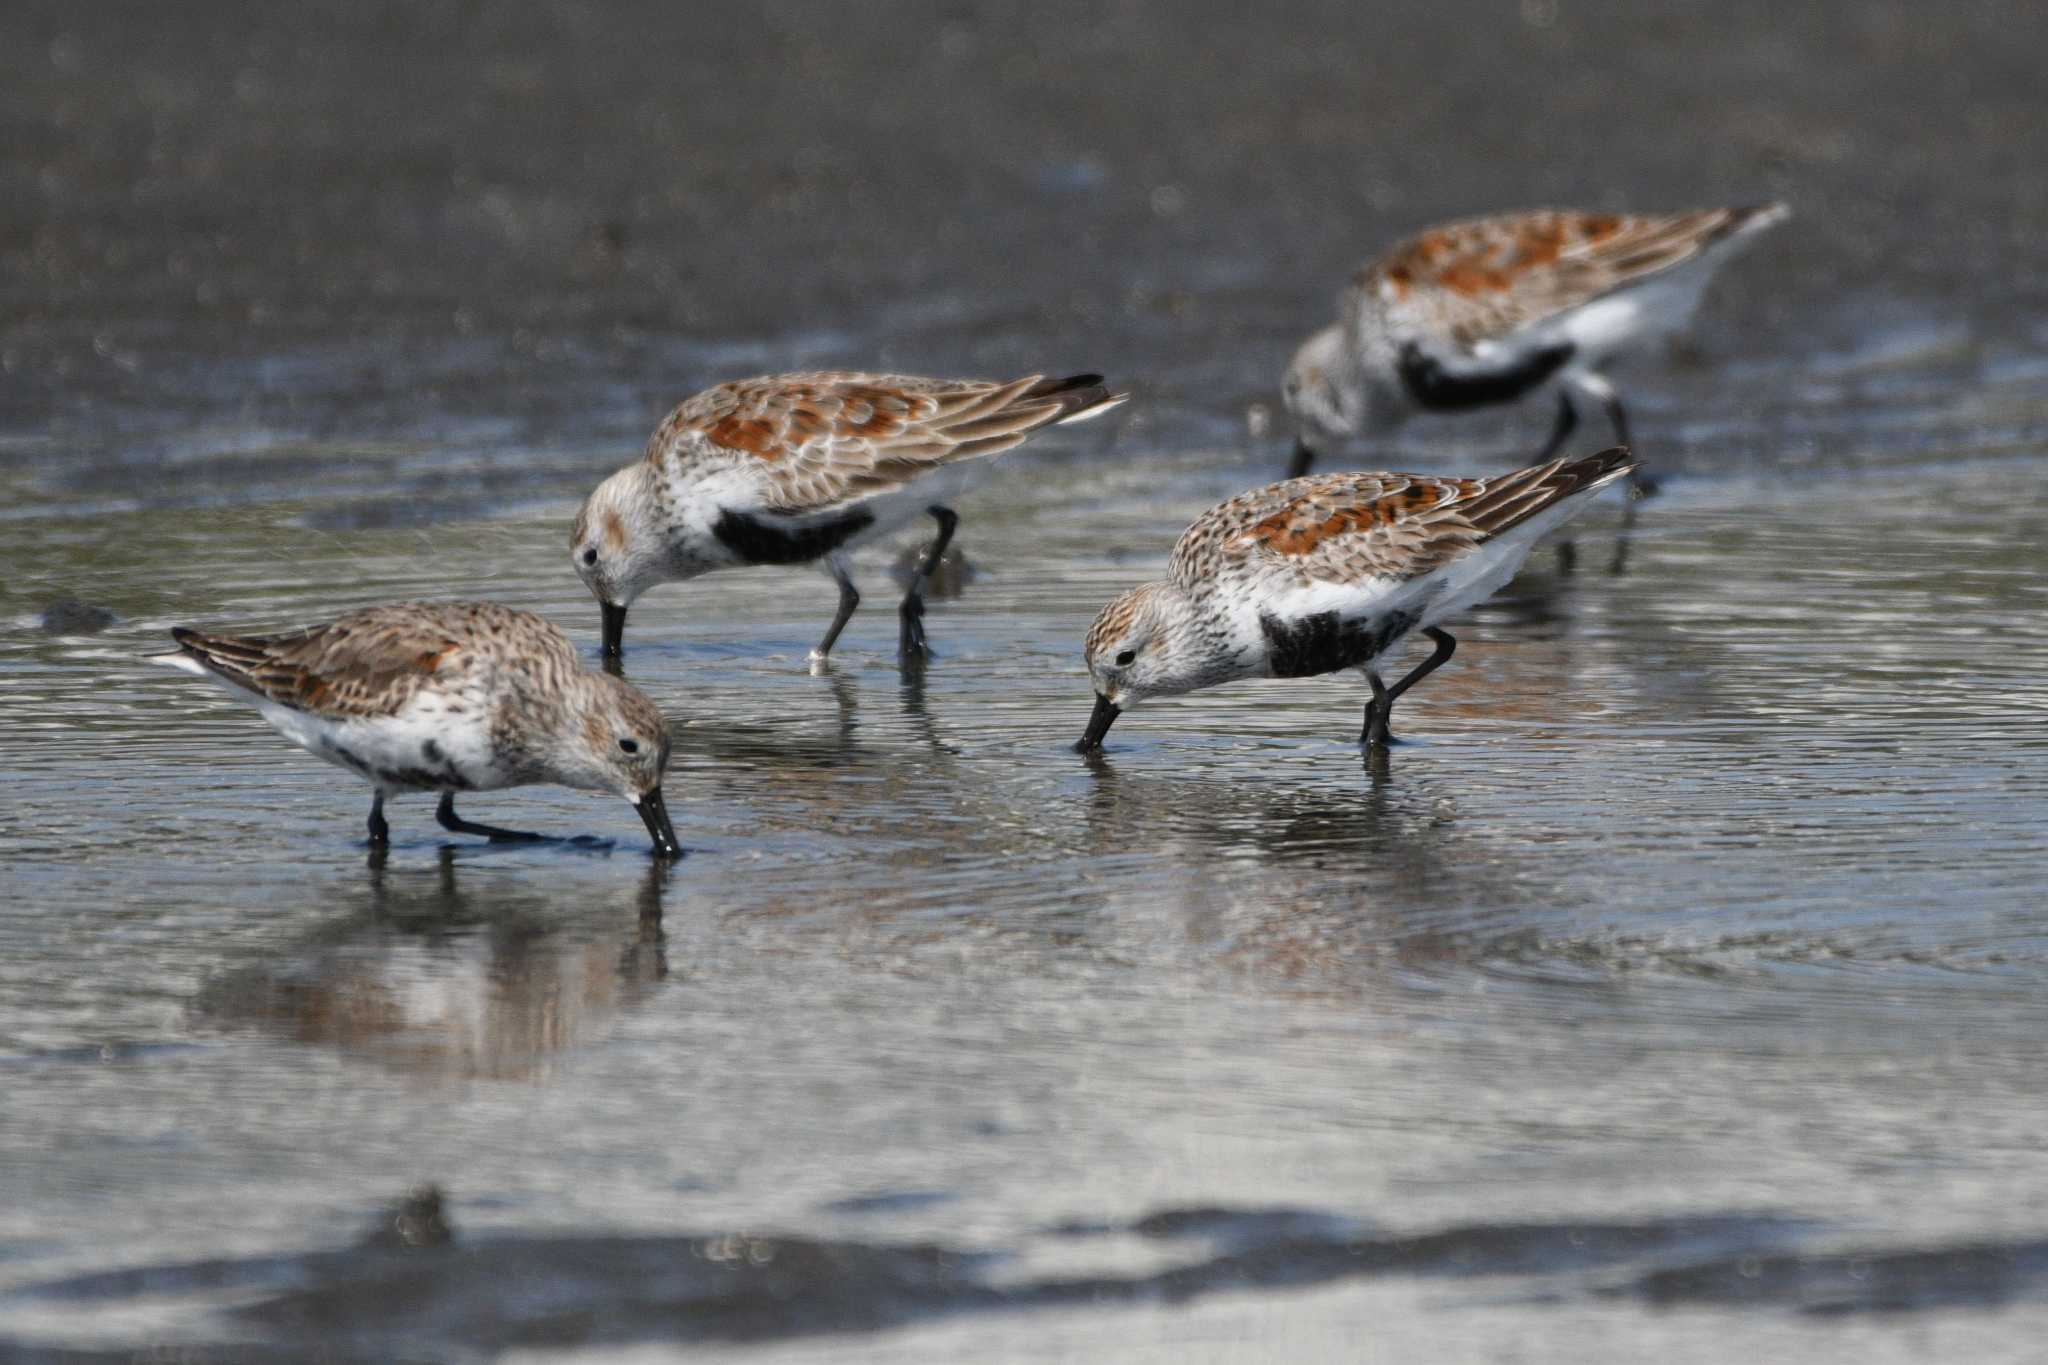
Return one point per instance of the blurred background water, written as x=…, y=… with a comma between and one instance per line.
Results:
x=1678, y=991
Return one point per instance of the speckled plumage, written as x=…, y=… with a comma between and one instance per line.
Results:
x=786, y=469
x=1485, y=310
x=813, y=442
x=1482, y=279
x=443, y=697
x=1330, y=572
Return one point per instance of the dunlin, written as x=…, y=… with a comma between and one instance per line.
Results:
x=1486, y=310
x=447, y=697
x=787, y=469
x=1325, y=573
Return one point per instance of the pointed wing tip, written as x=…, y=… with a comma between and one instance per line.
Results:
x=1758, y=217
x=1080, y=396
x=1095, y=408
x=224, y=655
x=194, y=646
x=193, y=654
x=1606, y=466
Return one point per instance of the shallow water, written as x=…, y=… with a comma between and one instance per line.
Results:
x=1676, y=990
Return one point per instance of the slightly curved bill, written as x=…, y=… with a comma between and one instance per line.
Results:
x=1104, y=716
x=654, y=814
x=614, y=629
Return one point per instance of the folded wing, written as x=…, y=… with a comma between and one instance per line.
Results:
x=1352, y=528
x=368, y=663
x=1483, y=278
x=817, y=441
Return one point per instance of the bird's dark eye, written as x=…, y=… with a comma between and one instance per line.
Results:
x=590, y=555
x=631, y=746
x=1127, y=658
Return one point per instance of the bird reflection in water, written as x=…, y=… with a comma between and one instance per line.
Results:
x=458, y=972
x=1322, y=885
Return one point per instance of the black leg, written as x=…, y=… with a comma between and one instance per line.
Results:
x=1619, y=564
x=910, y=642
x=1617, y=417
x=1303, y=460
x=1640, y=485
x=455, y=824
x=1446, y=646
x=1380, y=710
x=1374, y=731
x=380, y=832
x=1560, y=431
x=849, y=598
x=1567, y=422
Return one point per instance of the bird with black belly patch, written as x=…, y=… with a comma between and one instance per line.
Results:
x=798, y=468
x=1486, y=310
x=1325, y=573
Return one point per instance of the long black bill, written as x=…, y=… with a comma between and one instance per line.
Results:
x=1304, y=459
x=614, y=630
x=1105, y=714
x=654, y=815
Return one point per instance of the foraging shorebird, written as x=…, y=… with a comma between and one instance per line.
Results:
x=788, y=469
x=1487, y=310
x=447, y=697
x=1325, y=573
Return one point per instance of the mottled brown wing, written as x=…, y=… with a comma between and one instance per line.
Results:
x=1483, y=278
x=817, y=440
x=367, y=663
x=1345, y=528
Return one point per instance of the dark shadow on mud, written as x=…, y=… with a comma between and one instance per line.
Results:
x=1982, y=1275
x=393, y=1294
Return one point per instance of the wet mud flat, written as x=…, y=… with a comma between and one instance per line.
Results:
x=1584, y=1005
x=1677, y=990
